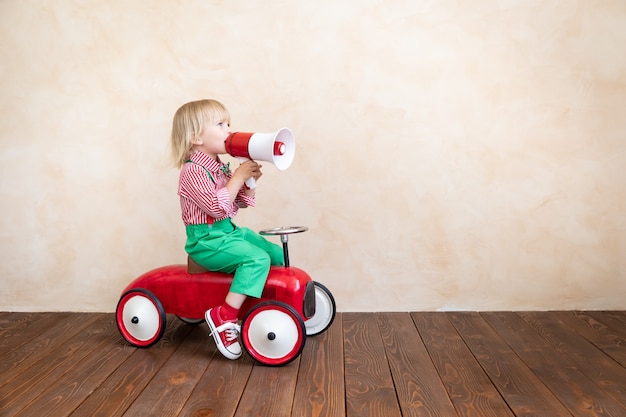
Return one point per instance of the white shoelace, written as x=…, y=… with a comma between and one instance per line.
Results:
x=232, y=331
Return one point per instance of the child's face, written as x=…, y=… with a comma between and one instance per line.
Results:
x=211, y=140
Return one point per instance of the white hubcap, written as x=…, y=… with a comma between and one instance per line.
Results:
x=141, y=318
x=272, y=333
x=323, y=312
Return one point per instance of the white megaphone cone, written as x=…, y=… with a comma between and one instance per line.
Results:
x=279, y=148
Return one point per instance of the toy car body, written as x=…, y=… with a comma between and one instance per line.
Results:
x=273, y=330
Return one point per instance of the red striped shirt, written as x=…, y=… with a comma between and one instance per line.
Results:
x=204, y=199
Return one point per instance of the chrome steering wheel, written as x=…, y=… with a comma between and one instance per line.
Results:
x=284, y=233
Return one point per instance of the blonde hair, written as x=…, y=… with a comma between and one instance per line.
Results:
x=188, y=122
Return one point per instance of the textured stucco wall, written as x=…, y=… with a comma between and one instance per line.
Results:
x=450, y=154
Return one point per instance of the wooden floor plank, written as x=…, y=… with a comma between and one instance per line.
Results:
x=419, y=389
x=369, y=385
x=367, y=364
x=614, y=320
x=124, y=384
x=605, y=338
x=172, y=385
x=585, y=356
x=220, y=388
x=469, y=388
x=68, y=390
x=577, y=392
x=16, y=362
x=525, y=394
x=320, y=389
x=270, y=391
x=22, y=331
x=34, y=375
x=9, y=320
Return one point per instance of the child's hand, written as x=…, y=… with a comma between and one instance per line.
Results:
x=248, y=169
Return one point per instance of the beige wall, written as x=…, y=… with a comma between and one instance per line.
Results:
x=450, y=154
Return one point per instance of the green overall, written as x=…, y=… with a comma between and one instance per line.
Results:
x=225, y=247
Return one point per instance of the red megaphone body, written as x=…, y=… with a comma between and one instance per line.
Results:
x=278, y=147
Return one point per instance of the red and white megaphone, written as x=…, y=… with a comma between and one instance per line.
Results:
x=279, y=148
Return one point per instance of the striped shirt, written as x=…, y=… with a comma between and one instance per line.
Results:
x=204, y=199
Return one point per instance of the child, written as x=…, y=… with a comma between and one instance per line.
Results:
x=210, y=196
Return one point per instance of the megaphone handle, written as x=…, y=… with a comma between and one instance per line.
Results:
x=250, y=182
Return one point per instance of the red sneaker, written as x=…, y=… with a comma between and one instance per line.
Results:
x=225, y=333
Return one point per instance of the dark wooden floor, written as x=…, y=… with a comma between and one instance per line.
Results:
x=367, y=364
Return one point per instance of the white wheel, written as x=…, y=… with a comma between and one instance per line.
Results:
x=325, y=310
x=140, y=317
x=273, y=333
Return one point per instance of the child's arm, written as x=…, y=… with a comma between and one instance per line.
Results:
x=247, y=169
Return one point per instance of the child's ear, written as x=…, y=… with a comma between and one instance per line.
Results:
x=196, y=140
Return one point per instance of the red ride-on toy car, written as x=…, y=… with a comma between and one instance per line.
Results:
x=273, y=329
